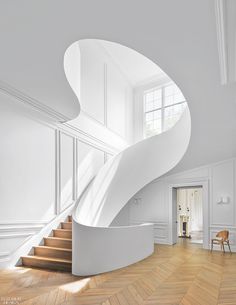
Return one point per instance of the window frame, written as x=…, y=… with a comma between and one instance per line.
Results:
x=162, y=108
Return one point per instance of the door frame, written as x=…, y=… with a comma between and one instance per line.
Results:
x=205, y=207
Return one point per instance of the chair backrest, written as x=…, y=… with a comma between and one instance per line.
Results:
x=223, y=234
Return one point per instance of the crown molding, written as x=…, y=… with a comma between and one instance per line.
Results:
x=220, y=12
x=156, y=80
x=32, y=102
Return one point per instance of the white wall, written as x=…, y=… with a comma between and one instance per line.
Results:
x=90, y=160
x=105, y=94
x=43, y=170
x=27, y=176
x=92, y=80
x=153, y=200
x=27, y=163
x=44, y=166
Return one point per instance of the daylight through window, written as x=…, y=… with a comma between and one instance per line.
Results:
x=163, y=107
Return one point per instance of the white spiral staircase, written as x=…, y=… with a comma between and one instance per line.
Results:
x=98, y=247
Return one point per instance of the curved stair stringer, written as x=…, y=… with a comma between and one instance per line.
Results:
x=99, y=248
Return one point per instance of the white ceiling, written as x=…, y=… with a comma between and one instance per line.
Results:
x=180, y=36
x=137, y=67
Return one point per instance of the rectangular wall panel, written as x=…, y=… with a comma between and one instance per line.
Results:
x=27, y=163
x=66, y=170
x=223, y=186
x=90, y=160
x=92, y=80
x=116, y=101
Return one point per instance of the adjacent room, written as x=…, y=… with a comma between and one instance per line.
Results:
x=189, y=214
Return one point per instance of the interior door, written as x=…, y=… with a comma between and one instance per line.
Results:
x=174, y=216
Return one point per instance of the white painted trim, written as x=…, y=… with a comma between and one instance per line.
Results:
x=156, y=80
x=65, y=127
x=61, y=207
x=32, y=102
x=190, y=171
x=23, y=228
x=234, y=177
x=57, y=172
x=221, y=225
x=17, y=229
x=220, y=8
x=105, y=94
x=75, y=169
x=23, y=223
x=158, y=239
x=89, y=139
x=15, y=234
x=4, y=255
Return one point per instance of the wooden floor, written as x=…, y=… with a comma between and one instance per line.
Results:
x=181, y=274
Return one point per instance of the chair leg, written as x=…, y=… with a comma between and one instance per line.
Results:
x=223, y=247
x=211, y=245
x=229, y=246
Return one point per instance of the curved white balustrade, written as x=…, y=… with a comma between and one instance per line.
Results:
x=104, y=249
x=96, y=246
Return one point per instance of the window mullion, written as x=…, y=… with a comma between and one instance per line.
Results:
x=162, y=108
x=155, y=109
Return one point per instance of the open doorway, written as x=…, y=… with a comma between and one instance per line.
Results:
x=200, y=229
x=190, y=214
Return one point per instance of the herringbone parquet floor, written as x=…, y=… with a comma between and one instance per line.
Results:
x=181, y=274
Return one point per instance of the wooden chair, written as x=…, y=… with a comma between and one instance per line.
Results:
x=222, y=238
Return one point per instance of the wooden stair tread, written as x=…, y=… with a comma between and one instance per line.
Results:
x=54, y=248
x=58, y=242
x=59, y=238
x=66, y=225
x=56, y=253
x=51, y=259
x=64, y=233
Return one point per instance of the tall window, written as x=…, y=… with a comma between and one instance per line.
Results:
x=163, y=107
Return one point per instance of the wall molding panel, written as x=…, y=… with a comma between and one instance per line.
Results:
x=67, y=127
x=57, y=172
x=23, y=229
x=232, y=236
x=218, y=179
x=18, y=235
x=160, y=231
x=88, y=138
x=70, y=163
x=35, y=104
